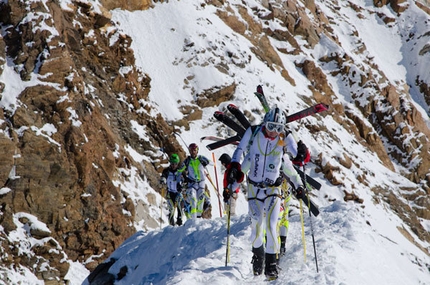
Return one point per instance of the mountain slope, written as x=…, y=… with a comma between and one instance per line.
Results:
x=356, y=241
x=88, y=99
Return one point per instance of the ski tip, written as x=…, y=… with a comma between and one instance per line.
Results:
x=232, y=106
x=218, y=114
x=321, y=107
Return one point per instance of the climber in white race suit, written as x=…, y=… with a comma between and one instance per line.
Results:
x=265, y=159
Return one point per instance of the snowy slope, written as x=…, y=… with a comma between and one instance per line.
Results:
x=353, y=247
x=355, y=243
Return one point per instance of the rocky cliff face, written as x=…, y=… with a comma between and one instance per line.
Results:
x=65, y=136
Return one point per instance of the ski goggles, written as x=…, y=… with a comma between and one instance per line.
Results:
x=274, y=127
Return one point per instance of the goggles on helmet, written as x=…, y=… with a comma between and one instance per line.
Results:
x=274, y=127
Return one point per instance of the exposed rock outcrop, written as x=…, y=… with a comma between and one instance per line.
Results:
x=64, y=139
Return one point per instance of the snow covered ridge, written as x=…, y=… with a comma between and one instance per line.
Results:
x=88, y=102
x=352, y=248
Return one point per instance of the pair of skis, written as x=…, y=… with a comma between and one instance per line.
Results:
x=224, y=118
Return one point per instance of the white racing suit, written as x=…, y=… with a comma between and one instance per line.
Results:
x=264, y=161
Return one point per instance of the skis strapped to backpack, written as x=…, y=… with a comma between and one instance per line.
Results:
x=262, y=98
x=216, y=139
x=318, y=108
x=222, y=117
x=234, y=140
x=239, y=115
x=229, y=122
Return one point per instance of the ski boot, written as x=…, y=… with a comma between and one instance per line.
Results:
x=271, y=269
x=257, y=260
x=179, y=221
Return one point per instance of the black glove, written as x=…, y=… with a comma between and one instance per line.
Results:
x=300, y=192
x=303, y=155
x=234, y=173
x=226, y=195
x=231, y=178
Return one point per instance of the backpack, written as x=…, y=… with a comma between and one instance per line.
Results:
x=203, y=160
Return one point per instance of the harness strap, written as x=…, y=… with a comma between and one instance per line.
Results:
x=264, y=199
x=265, y=184
x=259, y=184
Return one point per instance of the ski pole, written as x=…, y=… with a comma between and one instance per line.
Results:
x=217, y=187
x=310, y=220
x=227, y=252
x=161, y=207
x=212, y=183
x=303, y=229
x=177, y=134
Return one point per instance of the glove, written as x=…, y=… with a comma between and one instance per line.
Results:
x=300, y=192
x=234, y=173
x=163, y=181
x=303, y=154
x=231, y=178
x=226, y=195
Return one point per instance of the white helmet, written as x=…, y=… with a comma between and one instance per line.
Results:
x=275, y=120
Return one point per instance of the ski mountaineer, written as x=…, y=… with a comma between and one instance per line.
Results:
x=264, y=160
x=231, y=187
x=172, y=178
x=193, y=169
